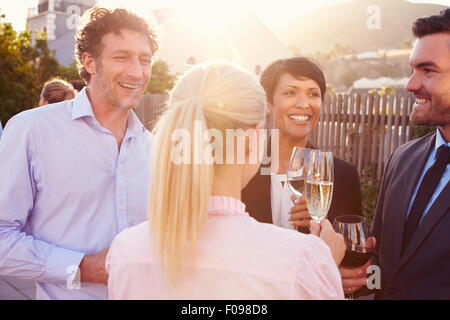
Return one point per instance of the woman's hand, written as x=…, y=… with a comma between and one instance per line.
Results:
x=333, y=240
x=299, y=214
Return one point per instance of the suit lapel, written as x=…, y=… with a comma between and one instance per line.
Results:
x=435, y=213
x=410, y=176
x=406, y=177
x=265, y=213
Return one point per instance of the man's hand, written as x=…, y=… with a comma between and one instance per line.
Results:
x=299, y=213
x=333, y=240
x=355, y=278
x=92, y=268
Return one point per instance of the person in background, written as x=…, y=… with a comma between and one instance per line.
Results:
x=74, y=174
x=199, y=242
x=56, y=90
x=412, y=218
x=295, y=89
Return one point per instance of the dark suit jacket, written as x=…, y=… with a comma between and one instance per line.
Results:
x=422, y=272
x=346, y=193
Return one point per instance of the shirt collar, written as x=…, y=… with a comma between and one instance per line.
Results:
x=134, y=125
x=439, y=140
x=226, y=206
x=82, y=108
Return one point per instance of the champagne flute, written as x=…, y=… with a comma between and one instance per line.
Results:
x=358, y=241
x=319, y=184
x=296, y=174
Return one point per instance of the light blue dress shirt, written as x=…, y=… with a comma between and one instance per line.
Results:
x=67, y=191
x=442, y=183
x=1, y=129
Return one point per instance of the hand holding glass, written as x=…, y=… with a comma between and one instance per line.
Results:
x=358, y=241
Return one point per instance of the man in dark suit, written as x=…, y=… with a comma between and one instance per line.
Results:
x=412, y=220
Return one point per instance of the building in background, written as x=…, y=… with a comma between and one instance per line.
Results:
x=59, y=19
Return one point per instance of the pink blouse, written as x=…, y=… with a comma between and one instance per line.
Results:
x=236, y=258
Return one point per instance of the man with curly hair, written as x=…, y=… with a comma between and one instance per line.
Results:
x=75, y=173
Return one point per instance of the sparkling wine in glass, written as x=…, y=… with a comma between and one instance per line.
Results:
x=358, y=241
x=297, y=172
x=319, y=184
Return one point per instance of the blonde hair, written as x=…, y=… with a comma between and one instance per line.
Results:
x=57, y=90
x=221, y=96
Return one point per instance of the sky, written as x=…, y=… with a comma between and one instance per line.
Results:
x=273, y=13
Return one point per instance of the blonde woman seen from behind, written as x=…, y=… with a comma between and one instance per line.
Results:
x=199, y=242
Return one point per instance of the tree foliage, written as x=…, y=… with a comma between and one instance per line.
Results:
x=18, y=85
x=70, y=72
x=162, y=81
x=25, y=65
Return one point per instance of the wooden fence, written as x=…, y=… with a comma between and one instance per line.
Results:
x=362, y=129
x=151, y=108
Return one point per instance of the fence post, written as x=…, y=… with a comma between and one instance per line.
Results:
x=411, y=99
x=338, y=122
x=382, y=134
x=356, y=131
x=350, y=129
x=398, y=101
x=326, y=136
x=344, y=154
x=390, y=115
x=361, y=136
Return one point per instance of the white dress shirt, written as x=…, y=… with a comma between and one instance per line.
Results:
x=281, y=201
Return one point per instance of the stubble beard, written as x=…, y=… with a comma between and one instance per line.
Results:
x=437, y=115
x=105, y=87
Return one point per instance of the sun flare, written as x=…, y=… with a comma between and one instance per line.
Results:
x=209, y=17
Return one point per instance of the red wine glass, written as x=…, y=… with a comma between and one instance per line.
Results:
x=358, y=241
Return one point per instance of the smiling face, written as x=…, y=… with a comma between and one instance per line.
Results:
x=430, y=82
x=296, y=107
x=122, y=72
